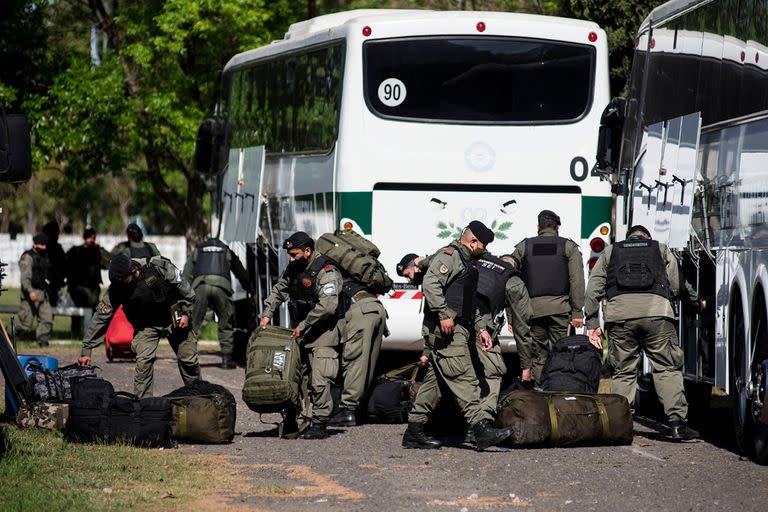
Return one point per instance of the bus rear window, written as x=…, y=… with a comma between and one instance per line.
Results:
x=478, y=79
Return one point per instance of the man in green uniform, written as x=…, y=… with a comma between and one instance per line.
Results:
x=638, y=279
x=312, y=285
x=208, y=269
x=366, y=325
x=157, y=302
x=35, y=305
x=135, y=247
x=553, y=271
x=449, y=287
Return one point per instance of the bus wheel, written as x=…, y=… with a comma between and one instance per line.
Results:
x=742, y=422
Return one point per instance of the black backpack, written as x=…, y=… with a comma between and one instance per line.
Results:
x=392, y=395
x=573, y=365
x=99, y=414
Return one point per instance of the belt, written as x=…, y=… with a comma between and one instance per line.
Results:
x=362, y=294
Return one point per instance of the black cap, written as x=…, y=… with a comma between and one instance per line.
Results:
x=481, y=232
x=298, y=240
x=88, y=232
x=549, y=214
x=40, y=239
x=405, y=262
x=133, y=229
x=119, y=267
x=638, y=227
x=52, y=228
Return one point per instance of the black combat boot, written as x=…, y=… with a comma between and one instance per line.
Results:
x=679, y=431
x=415, y=437
x=316, y=430
x=343, y=418
x=227, y=363
x=486, y=435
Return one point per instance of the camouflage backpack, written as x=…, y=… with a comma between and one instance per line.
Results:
x=45, y=415
x=357, y=257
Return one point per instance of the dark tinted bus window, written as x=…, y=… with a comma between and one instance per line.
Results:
x=479, y=79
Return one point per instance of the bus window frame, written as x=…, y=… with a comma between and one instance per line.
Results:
x=424, y=120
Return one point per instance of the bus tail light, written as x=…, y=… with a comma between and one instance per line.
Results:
x=367, y=31
x=591, y=263
x=597, y=244
x=480, y=26
x=592, y=37
x=348, y=226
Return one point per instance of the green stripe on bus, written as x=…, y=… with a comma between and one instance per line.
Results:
x=357, y=206
x=594, y=211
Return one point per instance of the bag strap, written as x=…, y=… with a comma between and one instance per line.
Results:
x=183, y=421
x=554, y=434
x=397, y=372
x=603, y=417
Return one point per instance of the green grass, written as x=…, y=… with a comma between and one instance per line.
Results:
x=62, y=326
x=39, y=471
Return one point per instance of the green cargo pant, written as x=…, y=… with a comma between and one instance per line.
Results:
x=213, y=297
x=658, y=337
x=145, y=341
x=320, y=355
x=39, y=310
x=366, y=322
x=545, y=331
x=450, y=368
x=492, y=369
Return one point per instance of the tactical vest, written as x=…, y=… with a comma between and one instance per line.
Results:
x=149, y=303
x=41, y=269
x=301, y=290
x=636, y=266
x=145, y=251
x=460, y=293
x=85, y=266
x=545, y=266
x=212, y=259
x=493, y=274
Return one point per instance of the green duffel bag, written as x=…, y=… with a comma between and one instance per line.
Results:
x=565, y=419
x=273, y=370
x=203, y=413
x=357, y=257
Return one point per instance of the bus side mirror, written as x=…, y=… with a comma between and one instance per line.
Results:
x=609, y=136
x=212, y=147
x=15, y=149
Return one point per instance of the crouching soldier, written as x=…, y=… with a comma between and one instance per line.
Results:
x=449, y=287
x=158, y=303
x=312, y=285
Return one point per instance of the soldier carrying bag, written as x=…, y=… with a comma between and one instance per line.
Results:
x=273, y=370
x=565, y=419
x=203, y=413
x=357, y=257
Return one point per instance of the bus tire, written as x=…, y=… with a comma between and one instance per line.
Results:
x=737, y=339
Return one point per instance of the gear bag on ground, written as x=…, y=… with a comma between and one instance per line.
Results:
x=273, y=370
x=357, y=257
x=573, y=365
x=203, y=413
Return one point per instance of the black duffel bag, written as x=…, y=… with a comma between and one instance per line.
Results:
x=573, y=365
x=56, y=385
x=392, y=395
x=99, y=414
x=203, y=413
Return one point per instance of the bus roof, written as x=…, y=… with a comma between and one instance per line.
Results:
x=670, y=10
x=334, y=26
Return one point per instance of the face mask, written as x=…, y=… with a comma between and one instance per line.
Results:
x=298, y=266
x=477, y=253
x=418, y=278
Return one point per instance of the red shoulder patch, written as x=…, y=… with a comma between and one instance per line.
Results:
x=23, y=256
x=306, y=282
x=328, y=267
x=448, y=251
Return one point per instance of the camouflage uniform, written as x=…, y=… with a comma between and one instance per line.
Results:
x=320, y=334
x=553, y=313
x=33, y=267
x=151, y=326
x=647, y=321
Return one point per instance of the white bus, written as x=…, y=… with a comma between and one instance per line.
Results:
x=694, y=170
x=405, y=125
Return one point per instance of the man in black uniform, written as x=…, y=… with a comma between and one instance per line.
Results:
x=84, y=264
x=208, y=270
x=313, y=286
x=135, y=247
x=58, y=271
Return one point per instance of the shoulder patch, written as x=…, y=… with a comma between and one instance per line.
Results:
x=103, y=308
x=443, y=269
x=328, y=267
x=306, y=282
x=23, y=256
x=448, y=251
x=329, y=289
